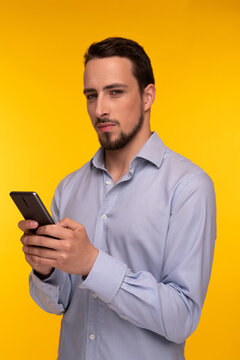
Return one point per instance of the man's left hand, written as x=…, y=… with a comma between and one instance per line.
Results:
x=68, y=248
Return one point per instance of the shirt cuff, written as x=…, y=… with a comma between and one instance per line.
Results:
x=106, y=276
x=56, y=278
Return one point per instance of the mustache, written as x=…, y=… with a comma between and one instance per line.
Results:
x=106, y=120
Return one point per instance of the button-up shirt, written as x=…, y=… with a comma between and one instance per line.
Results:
x=155, y=231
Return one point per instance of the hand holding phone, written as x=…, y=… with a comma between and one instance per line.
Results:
x=65, y=245
x=35, y=215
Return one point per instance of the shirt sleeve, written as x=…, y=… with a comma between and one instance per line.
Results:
x=170, y=307
x=51, y=294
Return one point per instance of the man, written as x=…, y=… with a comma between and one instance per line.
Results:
x=136, y=227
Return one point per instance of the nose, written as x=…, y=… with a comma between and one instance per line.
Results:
x=101, y=109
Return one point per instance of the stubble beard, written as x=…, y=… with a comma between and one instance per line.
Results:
x=123, y=138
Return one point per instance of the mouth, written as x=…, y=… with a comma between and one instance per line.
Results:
x=105, y=127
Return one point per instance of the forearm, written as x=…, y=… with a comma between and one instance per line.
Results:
x=161, y=308
x=140, y=299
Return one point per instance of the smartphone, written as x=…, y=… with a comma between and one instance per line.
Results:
x=31, y=207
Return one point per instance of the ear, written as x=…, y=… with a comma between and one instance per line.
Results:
x=149, y=96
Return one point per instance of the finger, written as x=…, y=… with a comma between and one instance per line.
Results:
x=24, y=238
x=27, y=225
x=41, y=241
x=40, y=252
x=70, y=224
x=36, y=261
x=54, y=231
x=28, y=259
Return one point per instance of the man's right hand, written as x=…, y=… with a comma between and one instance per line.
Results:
x=27, y=226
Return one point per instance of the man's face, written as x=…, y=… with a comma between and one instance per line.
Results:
x=114, y=103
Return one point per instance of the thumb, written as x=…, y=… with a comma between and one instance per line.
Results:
x=70, y=224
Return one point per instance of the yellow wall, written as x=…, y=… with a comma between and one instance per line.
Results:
x=45, y=134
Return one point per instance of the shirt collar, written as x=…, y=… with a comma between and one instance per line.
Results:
x=98, y=159
x=152, y=151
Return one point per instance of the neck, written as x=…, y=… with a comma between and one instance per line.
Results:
x=117, y=162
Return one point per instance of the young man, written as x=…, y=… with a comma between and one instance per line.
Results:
x=136, y=227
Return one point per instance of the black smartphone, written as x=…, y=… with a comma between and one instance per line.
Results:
x=31, y=207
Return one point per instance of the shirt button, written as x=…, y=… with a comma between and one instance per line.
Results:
x=94, y=295
x=92, y=337
x=108, y=182
x=104, y=216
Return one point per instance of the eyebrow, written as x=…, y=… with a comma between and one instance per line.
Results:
x=107, y=87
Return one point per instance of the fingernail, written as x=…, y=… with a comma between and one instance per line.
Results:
x=34, y=223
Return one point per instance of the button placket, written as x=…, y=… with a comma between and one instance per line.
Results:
x=108, y=183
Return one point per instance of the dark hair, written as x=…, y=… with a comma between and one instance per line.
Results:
x=118, y=46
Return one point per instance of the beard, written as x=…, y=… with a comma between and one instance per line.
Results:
x=123, y=138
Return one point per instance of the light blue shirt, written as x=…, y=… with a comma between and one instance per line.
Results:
x=155, y=229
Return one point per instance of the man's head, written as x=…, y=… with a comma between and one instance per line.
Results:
x=119, y=87
x=126, y=48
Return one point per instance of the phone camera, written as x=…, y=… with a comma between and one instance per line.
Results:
x=25, y=202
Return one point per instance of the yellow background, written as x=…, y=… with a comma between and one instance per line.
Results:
x=45, y=134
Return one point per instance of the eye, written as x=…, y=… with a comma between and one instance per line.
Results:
x=91, y=96
x=116, y=92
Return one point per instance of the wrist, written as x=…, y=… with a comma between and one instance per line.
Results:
x=43, y=276
x=91, y=262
